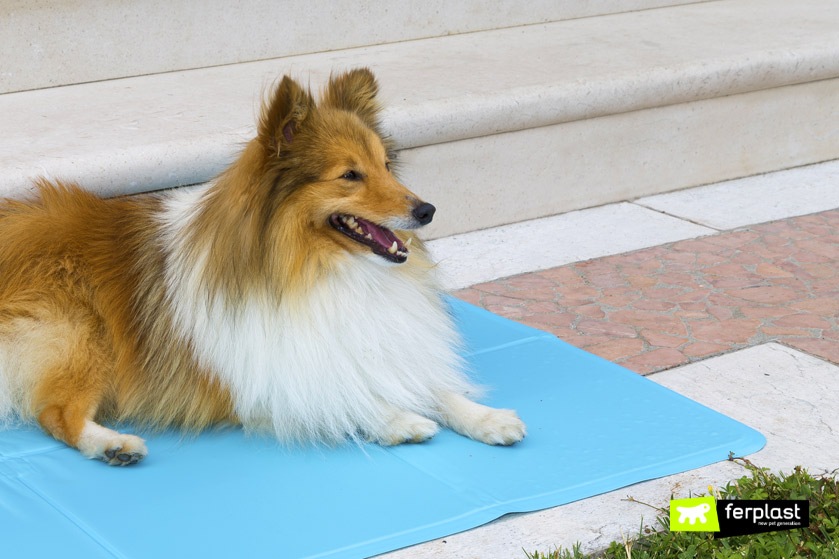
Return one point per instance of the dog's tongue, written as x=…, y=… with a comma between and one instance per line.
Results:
x=382, y=236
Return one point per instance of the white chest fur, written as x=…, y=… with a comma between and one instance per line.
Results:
x=321, y=365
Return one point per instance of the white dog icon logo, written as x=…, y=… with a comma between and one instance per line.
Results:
x=692, y=513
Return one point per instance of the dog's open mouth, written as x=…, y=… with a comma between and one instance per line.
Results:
x=381, y=240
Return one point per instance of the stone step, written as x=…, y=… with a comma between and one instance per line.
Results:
x=496, y=126
x=64, y=43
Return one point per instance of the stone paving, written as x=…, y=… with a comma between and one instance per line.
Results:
x=664, y=306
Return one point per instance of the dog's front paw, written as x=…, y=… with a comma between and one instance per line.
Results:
x=499, y=427
x=481, y=423
x=405, y=427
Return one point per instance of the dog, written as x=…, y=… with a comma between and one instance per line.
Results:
x=290, y=294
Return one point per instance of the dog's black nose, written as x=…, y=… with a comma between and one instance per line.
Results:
x=424, y=213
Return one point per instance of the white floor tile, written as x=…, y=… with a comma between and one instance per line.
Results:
x=757, y=199
x=544, y=243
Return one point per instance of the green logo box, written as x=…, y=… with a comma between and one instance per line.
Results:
x=698, y=514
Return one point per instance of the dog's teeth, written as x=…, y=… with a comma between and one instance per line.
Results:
x=408, y=242
x=392, y=248
x=351, y=222
x=359, y=230
x=368, y=236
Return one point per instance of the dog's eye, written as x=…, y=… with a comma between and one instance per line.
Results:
x=351, y=176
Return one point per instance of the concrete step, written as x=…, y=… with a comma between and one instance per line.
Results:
x=62, y=43
x=496, y=126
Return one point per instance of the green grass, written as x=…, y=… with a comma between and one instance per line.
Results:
x=819, y=541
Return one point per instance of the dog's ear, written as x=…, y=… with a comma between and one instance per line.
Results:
x=283, y=115
x=355, y=91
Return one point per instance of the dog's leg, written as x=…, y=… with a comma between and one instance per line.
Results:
x=70, y=390
x=404, y=427
x=481, y=423
x=71, y=424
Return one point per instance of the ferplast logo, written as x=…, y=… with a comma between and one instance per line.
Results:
x=728, y=517
x=698, y=514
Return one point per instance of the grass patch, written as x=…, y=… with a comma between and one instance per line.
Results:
x=819, y=541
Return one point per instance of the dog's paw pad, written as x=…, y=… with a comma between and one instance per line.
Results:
x=500, y=427
x=124, y=451
x=131, y=458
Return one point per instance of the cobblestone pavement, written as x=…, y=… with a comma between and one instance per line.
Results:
x=661, y=307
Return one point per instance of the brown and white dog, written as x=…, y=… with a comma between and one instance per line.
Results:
x=289, y=294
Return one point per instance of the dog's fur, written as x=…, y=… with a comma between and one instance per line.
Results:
x=248, y=300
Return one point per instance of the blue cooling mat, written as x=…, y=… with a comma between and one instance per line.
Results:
x=593, y=427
